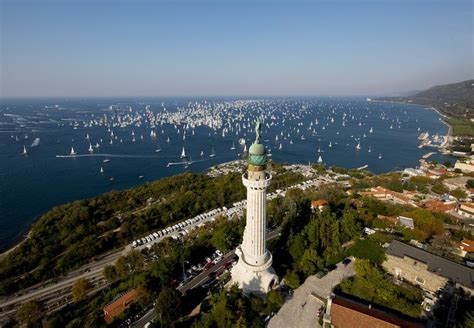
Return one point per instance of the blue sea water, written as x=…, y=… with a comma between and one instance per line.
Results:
x=32, y=184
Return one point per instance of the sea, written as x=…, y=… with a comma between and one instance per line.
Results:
x=135, y=140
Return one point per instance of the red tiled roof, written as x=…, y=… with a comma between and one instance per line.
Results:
x=438, y=206
x=467, y=245
x=319, y=202
x=346, y=313
x=118, y=306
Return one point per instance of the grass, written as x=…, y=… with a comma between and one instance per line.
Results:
x=461, y=127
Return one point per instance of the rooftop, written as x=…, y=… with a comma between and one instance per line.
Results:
x=437, y=264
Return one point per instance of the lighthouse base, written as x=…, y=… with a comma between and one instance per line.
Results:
x=254, y=279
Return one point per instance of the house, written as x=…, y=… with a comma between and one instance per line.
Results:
x=119, y=305
x=466, y=246
x=406, y=222
x=388, y=195
x=319, y=204
x=413, y=172
x=343, y=312
x=439, y=206
x=455, y=183
x=466, y=210
x=465, y=165
x=431, y=272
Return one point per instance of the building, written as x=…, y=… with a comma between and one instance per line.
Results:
x=406, y=222
x=439, y=206
x=455, y=183
x=388, y=195
x=466, y=210
x=466, y=166
x=253, y=272
x=413, y=172
x=119, y=305
x=319, y=204
x=427, y=270
x=466, y=246
x=342, y=312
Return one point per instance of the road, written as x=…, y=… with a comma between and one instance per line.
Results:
x=200, y=279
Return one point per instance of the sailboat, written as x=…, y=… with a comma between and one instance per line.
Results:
x=90, y=148
x=168, y=140
x=369, y=150
x=280, y=147
x=233, y=146
x=330, y=144
x=320, y=159
x=371, y=130
x=101, y=170
x=213, y=154
x=87, y=137
x=183, y=153
x=380, y=156
x=24, y=151
x=358, y=146
x=72, y=153
x=202, y=153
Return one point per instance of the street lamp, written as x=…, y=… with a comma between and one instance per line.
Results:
x=184, y=272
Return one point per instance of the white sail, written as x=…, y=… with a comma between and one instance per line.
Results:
x=320, y=159
x=72, y=153
x=183, y=153
x=24, y=151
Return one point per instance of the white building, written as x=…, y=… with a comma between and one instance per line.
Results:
x=254, y=272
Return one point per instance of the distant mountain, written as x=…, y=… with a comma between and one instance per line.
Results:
x=456, y=99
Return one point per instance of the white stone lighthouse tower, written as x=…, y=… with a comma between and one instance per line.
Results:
x=254, y=272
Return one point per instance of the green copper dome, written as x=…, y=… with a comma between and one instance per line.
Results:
x=257, y=153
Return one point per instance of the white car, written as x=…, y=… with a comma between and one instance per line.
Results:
x=218, y=252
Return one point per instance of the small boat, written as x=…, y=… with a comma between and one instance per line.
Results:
x=90, y=148
x=101, y=169
x=106, y=160
x=380, y=156
x=24, y=151
x=202, y=153
x=168, y=140
x=73, y=152
x=141, y=176
x=87, y=137
x=280, y=147
x=330, y=144
x=371, y=130
x=213, y=154
x=358, y=146
x=233, y=146
x=183, y=154
x=320, y=159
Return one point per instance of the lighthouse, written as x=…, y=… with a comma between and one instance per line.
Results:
x=253, y=272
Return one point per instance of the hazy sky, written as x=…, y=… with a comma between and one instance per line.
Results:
x=166, y=48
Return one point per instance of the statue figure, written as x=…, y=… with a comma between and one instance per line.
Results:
x=257, y=131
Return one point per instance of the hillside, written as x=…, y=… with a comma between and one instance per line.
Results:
x=456, y=99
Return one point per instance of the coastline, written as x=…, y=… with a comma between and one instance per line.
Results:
x=15, y=246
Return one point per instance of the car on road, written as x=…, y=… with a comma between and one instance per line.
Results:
x=219, y=253
x=331, y=267
x=208, y=265
x=346, y=261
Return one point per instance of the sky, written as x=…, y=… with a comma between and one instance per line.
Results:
x=66, y=48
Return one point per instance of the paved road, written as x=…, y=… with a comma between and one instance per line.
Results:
x=300, y=309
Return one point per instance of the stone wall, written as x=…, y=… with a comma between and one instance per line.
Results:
x=414, y=272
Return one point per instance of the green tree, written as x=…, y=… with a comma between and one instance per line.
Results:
x=30, y=313
x=274, y=301
x=79, y=289
x=292, y=280
x=368, y=249
x=168, y=306
x=110, y=273
x=309, y=262
x=470, y=183
x=459, y=193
